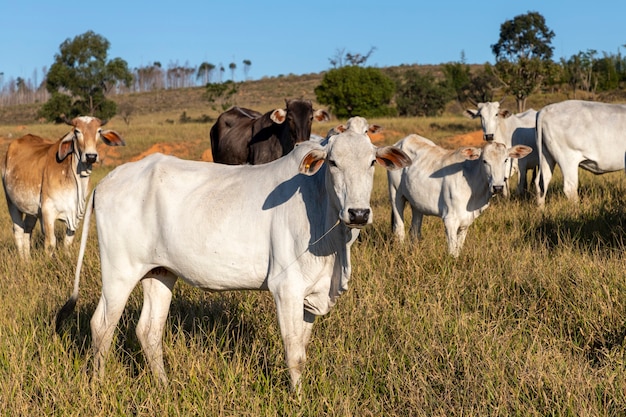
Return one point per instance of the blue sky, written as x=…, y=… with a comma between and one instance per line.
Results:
x=293, y=37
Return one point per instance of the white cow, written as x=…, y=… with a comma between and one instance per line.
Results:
x=577, y=133
x=511, y=129
x=286, y=226
x=455, y=185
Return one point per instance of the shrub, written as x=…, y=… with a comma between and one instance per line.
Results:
x=356, y=91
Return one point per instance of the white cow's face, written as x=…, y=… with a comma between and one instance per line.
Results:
x=496, y=162
x=489, y=114
x=350, y=158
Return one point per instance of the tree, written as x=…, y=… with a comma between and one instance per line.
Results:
x=458, y=79
x=342, y=58
x=356, y=91
x=246, y=67
x=523, y=48
x=205, y=71
x=482, y=85
x=220, y=94
x=420, y=95
x=81, y=76
x=232, y=66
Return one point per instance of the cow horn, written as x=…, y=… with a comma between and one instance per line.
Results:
x=65, y=120
x=472, y=101
x=103, y=122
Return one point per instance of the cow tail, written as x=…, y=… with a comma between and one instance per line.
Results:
x=539, y=142
x=70, y=304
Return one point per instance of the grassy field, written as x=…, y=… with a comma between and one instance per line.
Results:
x=530, y=320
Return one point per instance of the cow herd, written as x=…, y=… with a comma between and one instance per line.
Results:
x=279, y=208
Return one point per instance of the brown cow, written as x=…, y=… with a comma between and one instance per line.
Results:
x=50, y=180
x=244, y=136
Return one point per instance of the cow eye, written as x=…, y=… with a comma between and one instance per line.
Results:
x=76, y=132
x=373, y=163
x=332, y=163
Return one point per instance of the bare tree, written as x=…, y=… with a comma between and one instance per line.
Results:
x=342, y=58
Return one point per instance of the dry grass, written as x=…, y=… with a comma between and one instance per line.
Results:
x=529, y=320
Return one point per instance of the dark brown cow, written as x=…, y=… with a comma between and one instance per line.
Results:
x=244, y=136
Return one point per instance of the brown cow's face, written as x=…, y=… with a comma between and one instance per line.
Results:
x=86, y=133
x=300, y=119
x=83, y=139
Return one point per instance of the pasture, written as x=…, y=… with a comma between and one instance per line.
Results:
x=530, y=319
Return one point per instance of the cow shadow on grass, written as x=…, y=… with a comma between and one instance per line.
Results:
x=229, y=322
x=597, y=231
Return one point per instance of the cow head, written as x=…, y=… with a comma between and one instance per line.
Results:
x=350, y=158
x=299, y=115
x=357, y=124
x=494, y=160
x=490, y=117
x=83, y=138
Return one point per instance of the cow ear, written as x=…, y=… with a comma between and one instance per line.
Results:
x=519, y=151
x=66, y=147
x=341, y=128
x=374, y=128
x=471, y=113
x=278, y=116
x=112, y=138
x=471, y=153
x=321, y=115
x=312, y=162
x=392, y=158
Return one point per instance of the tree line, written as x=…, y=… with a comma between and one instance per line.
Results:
x=76, y=53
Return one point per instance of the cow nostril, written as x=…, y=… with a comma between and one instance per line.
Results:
x=91, y=157
x=359, y=216
x=489, y=137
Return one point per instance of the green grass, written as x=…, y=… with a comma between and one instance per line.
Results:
x=529, y=321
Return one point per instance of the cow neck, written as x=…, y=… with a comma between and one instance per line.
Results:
x=476, y=175
x=81, y=173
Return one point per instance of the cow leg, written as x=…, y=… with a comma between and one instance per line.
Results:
x=452, y=227
x=460, y=238
x=47, y=222
x=398, y=202
x=19, y=230
x=115, y=293
x=29, y=226
x=570, y=180
x=294, y=331
x=416, y=224
x=157, y=295
x=542, y=180
x=69, y=238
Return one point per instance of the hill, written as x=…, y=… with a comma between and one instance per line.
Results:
x=263, y=94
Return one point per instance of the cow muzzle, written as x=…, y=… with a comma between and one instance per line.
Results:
x=488, y=137
x=358, y=217
x=91, y=158
x=497, y=189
